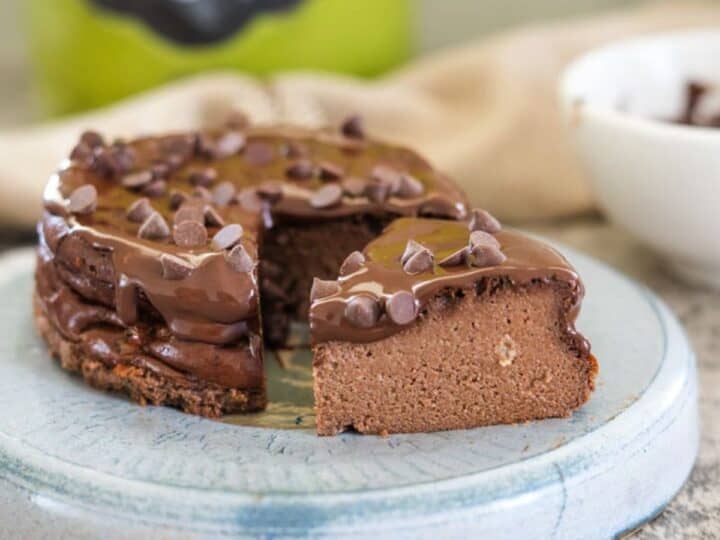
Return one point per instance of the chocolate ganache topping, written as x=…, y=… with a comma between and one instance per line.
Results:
x=177, y=221
x=414, y=259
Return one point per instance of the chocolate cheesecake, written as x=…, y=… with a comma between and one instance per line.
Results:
x=165, y=263
x=440, y=325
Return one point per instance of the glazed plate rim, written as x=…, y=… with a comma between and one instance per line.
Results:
x=20, y=260
x=577, y=487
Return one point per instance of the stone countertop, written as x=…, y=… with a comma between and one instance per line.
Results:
x=695, y=512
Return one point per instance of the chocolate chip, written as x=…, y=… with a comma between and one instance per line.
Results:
x=213, y=218
x=362, y=311
x=190, y=211
x=326, y=197
x=140, y=210
x=160, y=169
x=409, y=187
x=411, y=248
x=156, y=188
x=270, y=190
x=330, y=171
x=137, y=180
x=259, y=153
x=227, y=237
x=419, y=262
x=482, y=238
x=302, y=169
x=202, y=193
x=229, y=144
x=294, y=149
x=353, y=127
x=441, y=206
x=190, y=234
x=181, y=145
x=112, y=161
x=377, y=192
x=401, y=307
x=177, y=198
x=249, y=200
x=83, y=200
x=483, y=255
x=154, y=227
x=92, y=139
x=352, y=263
x=174, y=161
x=482, y=220
x=456, y=258
x=102, y=161
x=204, y=146
x=384, y=174
x=354, y=186
x=81, y=152
x=322, y=288
x=223, y=193
x=239, y=259
x=123, y=157
x=202, y=177
x=174, y=267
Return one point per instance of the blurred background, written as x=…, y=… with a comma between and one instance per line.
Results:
x=48, y=47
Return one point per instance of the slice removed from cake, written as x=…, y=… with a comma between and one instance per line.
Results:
x=442, y=325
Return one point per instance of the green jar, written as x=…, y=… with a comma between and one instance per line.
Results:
x=91, y=52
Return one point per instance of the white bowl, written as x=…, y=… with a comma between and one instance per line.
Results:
x=659, y=180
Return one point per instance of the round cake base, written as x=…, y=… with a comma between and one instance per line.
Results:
x=75, y=462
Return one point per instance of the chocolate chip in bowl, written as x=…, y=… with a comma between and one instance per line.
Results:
x=702, y=105
x=641, y=113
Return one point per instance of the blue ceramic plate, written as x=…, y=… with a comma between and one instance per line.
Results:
x=84, y=464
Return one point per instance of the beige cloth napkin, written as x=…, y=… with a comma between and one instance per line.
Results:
x=486, y=113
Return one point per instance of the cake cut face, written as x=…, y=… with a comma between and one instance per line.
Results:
x=157, y=256
x=441, y=325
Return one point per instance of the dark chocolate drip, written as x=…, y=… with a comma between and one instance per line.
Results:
x=382, y=275
x=126, y=300
x=211, y=305
x=103, y=335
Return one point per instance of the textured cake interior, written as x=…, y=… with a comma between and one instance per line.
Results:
x=493, y=353
x=292, y=254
